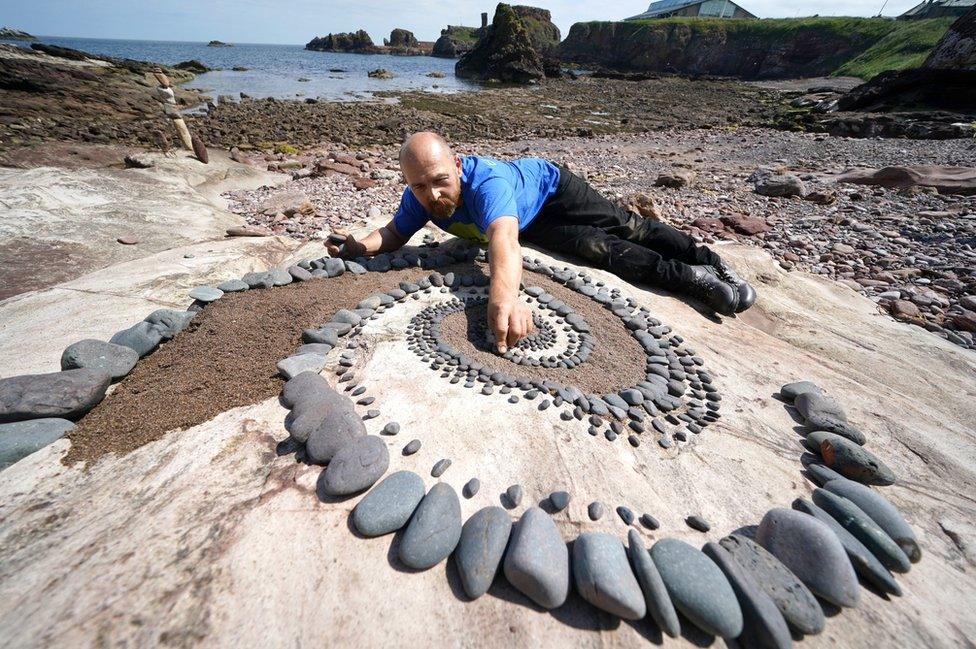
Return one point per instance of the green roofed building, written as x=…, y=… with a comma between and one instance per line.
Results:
x=694, y=9
x=937, y=9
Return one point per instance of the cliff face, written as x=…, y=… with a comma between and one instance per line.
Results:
x=520, y=46
x=749, y=49
x=456, y=41
x=957, y=49
x=344, y=42
x=505, y=53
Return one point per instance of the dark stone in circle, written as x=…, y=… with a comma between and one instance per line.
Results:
x=471, y=488
x=649, y=522
x=440, y=468
x=625, y=514
x=514, y=495
x=698, y=523
x=559, y=500
x=595, y=510
x=412, y=447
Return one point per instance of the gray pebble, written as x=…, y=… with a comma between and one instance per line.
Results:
x=392, y=428
x=480, y=549
x=64, y=395
x=812, y=552
x=412, y=447
x=656, y=597
x=514, y=495
x=793, y=599
x=21, y=438
x=206, y=293
x=471, y=488
x=881, y=512
x=649, y=522
x=233, y=286
x=559, y=500
x=294, y=365
x=698, y=523
x=434, y=529
x=537, y=561
x=698, y=588
x=595, y=510
x=440, y=468
x=604, y=578
x=356, y=466
x=388, y=506
x=117, y=360
x=865, y=530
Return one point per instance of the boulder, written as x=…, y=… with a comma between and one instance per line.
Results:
x=358, y=42
x=67, y=395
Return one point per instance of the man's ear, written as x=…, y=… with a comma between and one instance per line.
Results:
x=457, y=163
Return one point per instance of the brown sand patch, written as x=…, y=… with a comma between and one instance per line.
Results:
x=226, y=358
x=617, y=360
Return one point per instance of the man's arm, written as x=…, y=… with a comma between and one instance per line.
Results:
x=384, y=239
x=508, y=317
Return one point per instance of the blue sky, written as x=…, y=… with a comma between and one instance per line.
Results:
x=297, y=21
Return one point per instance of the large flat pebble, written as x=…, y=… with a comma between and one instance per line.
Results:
x=389, y=505
x=356, y=466
x=434, y=529
x=656, y=597
x=880, y=509
x=21, y=438
x=603, y=576
x=65, y=395
x=537, y=561
x=479, y=553
x=117, y=360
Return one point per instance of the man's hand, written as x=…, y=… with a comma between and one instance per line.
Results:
x=349, y=249
x=510, y=321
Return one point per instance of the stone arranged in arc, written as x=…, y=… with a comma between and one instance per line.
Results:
x=794, y=600
x=865, y=563
x=537, y=561
x=65, y=395
x=19, y=439
x=479, y=553
x=388, y=506
x=117, y=360
x=812, y=552
x=863, y=528
x=881, y=512
x=603, y=576
x=656, y=598
x=763, y=624
x=356, y=466
x=698, y=588
x=434, y=529
x=853, y=461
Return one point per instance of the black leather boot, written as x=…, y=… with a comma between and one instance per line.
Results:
x=706, y=286
x=747, y=294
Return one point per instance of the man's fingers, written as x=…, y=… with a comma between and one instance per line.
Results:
x=500, y=326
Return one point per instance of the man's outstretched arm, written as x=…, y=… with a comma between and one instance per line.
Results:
x=384, y=239
x=508, y=317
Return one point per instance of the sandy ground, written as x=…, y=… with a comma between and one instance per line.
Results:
x=207, y=537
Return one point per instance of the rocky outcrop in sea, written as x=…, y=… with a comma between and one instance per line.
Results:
x=518, y=47
x=357, y=42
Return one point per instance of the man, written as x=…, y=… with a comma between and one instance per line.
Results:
x=498, y=203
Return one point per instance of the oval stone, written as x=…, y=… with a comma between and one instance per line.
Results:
x=604, y=578
x=881, y=511
x=480, y=549
x=65, y=395
x=117, y=360
x=389, y=505
x=537, y=561
x=698, y=588
x=812, y=552
x=357, y=466
x=340, y=425
x=865, y=530
x=763, y=624
x=793, y=599
x=656, y=597
x=434, y=529
x=853, y=461
x=865, y=563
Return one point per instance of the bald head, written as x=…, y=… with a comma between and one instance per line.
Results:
x=433, y=172
x=425, y=146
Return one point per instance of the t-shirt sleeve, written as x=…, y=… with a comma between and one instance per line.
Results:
x=493, y=199
x=410, y=216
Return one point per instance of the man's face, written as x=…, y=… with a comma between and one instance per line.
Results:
x=435, y=181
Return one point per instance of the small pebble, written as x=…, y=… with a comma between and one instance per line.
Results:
x=391, y=428
x=698, y=523
x=559, y=500
x=649, y=522
x=471, y=488
x=514, y=495
x=412, y=447
x=440, y=468
x=595, y=510
x=625, y=514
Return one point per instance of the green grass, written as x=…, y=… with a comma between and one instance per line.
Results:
x=905, y=47
x=883, y=44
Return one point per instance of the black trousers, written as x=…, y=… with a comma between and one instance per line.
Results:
x=578, y=220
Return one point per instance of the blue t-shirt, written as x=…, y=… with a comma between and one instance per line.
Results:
x=489, y=189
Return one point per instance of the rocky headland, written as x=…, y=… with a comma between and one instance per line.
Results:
x=11, y=34
x=455, y=41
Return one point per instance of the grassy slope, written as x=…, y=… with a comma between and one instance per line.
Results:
x=905, y=47
x=895, y=44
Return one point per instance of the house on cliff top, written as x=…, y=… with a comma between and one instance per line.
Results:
x=694, y=9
